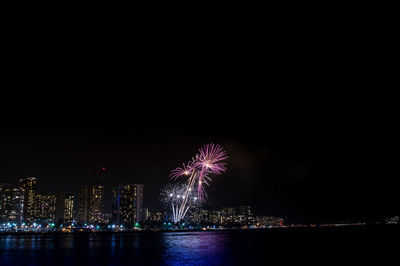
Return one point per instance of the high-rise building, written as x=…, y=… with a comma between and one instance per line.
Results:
x=116, y=205
x=154, y=216
x=269, y=221
x=216, y=217
x=228, y=211
x=146, y=214
x=11, y=203
x=91, y=204
x=64, y=208
x=28, y=185
x=127, y=206
x=45, y=207
x=245, y=211
x=83, y=204
x=199, y=215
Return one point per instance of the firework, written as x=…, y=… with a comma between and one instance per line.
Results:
x=174, y=196
x=207, y=162
x=185, y=170
x=210, y=159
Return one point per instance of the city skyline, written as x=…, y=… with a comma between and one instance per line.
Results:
x=49, y=213
x=277, y=176
x=21, y=202
x=56, y=212
x=289, y=155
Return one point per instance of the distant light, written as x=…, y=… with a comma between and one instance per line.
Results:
x=171, y=195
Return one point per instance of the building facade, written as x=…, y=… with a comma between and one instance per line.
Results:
x=127, y=209
x=91, y=204
x=45, y=209
x=11, y=203
x=83, y=205
x=29, y=185
x=64, y=208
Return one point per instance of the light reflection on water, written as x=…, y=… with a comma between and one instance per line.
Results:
x=276, y=247
x=196, y=248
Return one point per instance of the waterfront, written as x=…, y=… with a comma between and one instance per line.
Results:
x=239, y=247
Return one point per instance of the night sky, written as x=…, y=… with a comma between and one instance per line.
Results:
x=308, y=166
x=308, y=131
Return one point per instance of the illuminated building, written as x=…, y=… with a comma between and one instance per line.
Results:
x=28, y=185
x=127, y=206
x=241, y=215
x=146, y=214
x=228, y=215
x=64, y=208
x=154, y=216
x=216, y=217
x=45, y=207
x=393, y=220
x=269, y=221
x=106, y=218
x=83, y=204
x=227, y=211
x=96, y=203
x=199, y=216
x=245, y=211
x=91, y=204
x=11, y=203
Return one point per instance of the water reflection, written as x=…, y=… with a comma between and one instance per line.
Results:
x=199, y=248
x=195, y=248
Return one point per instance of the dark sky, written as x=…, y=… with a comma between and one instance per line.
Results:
x=283, y=160
x=309, y=130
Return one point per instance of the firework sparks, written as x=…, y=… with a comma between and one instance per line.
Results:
x=174, y=196
x=208, y=161
x=185, y=170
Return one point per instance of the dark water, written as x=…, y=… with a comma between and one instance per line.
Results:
x=335, y=246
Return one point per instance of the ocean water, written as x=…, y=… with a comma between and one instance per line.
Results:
x=328, y=246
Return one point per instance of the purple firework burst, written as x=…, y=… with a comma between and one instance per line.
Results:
x=210, y=159
x=185, y=170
